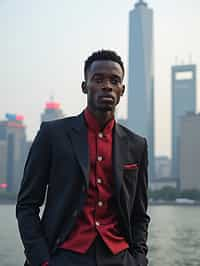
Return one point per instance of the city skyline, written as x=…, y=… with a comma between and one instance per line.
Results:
x=35, y=61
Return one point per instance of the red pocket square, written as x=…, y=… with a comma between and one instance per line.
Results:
x=130, y=166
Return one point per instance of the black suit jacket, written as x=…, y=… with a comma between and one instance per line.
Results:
x=57, y=174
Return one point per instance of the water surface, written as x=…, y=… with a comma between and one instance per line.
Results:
x=174, y=237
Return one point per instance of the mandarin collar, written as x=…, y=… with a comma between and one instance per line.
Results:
x=93, y=124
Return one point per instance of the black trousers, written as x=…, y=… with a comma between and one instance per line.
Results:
x=97, y=255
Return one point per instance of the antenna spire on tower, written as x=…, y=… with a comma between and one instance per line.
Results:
x=141, y=2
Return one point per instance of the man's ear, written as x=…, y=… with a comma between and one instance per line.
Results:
x=123, y=89
x=84, y=87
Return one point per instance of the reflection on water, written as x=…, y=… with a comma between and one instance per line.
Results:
x=174, y=238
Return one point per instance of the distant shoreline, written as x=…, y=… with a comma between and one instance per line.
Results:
x=172, y=203
x=164, y=203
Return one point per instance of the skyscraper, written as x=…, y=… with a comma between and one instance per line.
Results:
x=13, y=144
x=3, y=153
x=52, y=111
x=183, y=101
x=189, y=151
x=141, y=76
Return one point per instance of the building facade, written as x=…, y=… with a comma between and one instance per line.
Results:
x=3, y=153
x=141, y=76
x=162, y=167
x=190, y=152
x=183, y=101
x=12, y=150
x=52, y=111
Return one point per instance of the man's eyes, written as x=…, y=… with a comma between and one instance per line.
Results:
x=98, y=80
x=114, y=81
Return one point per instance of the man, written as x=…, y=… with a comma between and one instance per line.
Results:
x=93, y=173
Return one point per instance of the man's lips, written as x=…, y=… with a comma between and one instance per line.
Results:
x=107, y=98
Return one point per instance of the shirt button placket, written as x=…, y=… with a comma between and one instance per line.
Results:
x=99, y=180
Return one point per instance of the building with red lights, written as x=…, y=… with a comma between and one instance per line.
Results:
x=52, y=111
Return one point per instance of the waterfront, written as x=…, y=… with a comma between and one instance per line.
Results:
x=174, y=238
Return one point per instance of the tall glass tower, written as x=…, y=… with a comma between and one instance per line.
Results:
x=141, y=76
x=183, y=101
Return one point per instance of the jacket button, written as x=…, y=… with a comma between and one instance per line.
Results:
x=75, y=213
x=58, y=242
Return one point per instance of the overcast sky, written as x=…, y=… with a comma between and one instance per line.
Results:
x=43, y=44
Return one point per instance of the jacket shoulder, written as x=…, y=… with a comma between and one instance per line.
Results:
x=132, y=135
x=60, y=123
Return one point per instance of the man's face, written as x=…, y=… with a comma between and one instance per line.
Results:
x=104, y=85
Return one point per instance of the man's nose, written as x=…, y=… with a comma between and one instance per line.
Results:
x=107, y=86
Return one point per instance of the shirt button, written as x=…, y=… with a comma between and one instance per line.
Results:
x=58, y=241
x=99, y=158
x=99, y=181
x=75, y=213
x=97, y=223
x=100, y=203
x=100, y=135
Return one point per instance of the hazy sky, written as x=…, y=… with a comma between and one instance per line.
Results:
x=43, y=44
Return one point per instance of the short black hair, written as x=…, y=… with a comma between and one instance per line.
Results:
x=102, y=55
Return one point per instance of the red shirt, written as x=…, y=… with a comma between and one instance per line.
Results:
x=99, y=213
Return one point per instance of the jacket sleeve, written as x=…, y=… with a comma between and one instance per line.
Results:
x=31, y=197
x=139, y=218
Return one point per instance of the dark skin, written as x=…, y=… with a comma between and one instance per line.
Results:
x=104, y=87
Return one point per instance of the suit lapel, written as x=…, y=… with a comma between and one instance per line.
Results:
x=79, y=138
x=120, y=155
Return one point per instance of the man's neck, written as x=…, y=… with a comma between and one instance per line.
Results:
x=102, y=117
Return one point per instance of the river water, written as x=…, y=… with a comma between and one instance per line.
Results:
x=174, y=237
